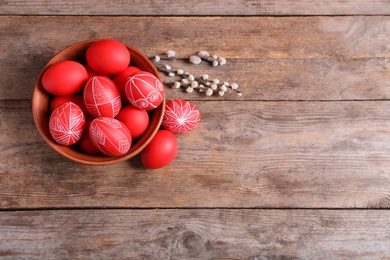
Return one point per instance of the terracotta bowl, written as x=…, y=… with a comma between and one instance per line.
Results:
x=41, y=112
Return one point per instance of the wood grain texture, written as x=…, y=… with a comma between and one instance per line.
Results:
x=297, y=168
x=199, y=7
x=195, y=234
x=323, y=58
x=231, y=37
x=243, y=154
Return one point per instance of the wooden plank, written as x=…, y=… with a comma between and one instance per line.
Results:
x=202, y=7
x=338, y=58
x=231, y=37
x=243, y=154
x=195, y=234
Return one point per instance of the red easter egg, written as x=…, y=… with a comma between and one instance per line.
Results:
x=64, y=78
x=180, y=116
x=101, y=97
x=110, y=136
x=67, y=123
x=144, y=90
x=108, y=56
x=86, y=144
x=160, y=151
x=120, y=80
x=135, y=119
x=76, y=98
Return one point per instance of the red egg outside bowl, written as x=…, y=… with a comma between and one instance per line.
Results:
x=41, y=112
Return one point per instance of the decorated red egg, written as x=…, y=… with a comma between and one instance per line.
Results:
x=110, y=136
x=135, y=119
x=120, y=80
x=160, y=151
x=108, y=56
x=76, y=98
x=86, y=144
x=67, y=123
x=101, y=97
x=144, y=90
x=64, y=78
x=180, y=116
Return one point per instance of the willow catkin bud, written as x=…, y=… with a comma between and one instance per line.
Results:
x=194, y=84
x=176, y=84
x=234, y=86
x=185, y=81
x=223, y=88
x=195, y=59
x=204, y=53
x=222, y=61
x=170, y=54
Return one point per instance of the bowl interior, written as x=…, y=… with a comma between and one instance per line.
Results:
x=41, y=112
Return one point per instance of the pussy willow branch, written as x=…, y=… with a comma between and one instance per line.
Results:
x=202, y=84
x=190, y=82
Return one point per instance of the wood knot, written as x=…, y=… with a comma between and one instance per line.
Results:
x=193, y=244
x=382, y=203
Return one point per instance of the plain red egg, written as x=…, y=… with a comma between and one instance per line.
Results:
x=120, y=80
x=135, y=119
x=144, y=90
x=101, y=97
x=110, y=136
x=67, y=124
x=76, y=98
x=64, y=78
x=160, y=151
x=180, y=116
x=86, y=144
x=108, y=56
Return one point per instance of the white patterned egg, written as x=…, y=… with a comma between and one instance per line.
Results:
x=110, y=136
x=180, y=116
x=144, y=90
x=101, y=97
x=67, y=124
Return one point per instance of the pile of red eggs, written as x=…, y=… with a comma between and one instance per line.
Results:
x=102, y=106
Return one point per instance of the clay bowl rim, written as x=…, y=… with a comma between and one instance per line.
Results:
x=41, y=112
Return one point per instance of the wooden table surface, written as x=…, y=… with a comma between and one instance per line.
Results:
x=296, y=168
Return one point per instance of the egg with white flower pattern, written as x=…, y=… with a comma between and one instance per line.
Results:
x=180, y=116
x=67, y=124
